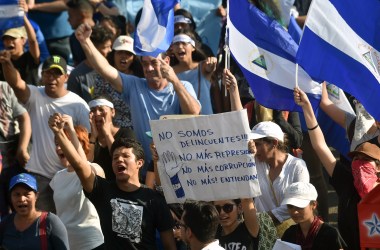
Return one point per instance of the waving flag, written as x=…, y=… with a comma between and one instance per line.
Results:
x=341, y=44
x=155, y=30
x=294, y=30
x=266, y=54
x=11, y=16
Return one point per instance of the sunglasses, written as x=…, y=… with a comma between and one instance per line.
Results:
x=227, y=208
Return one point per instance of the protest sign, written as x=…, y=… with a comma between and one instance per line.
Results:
x=11, y=15
x=205, y=157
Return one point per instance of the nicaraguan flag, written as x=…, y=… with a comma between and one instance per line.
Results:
x=341, y=44
x=266, y=54
x=11, y=16
x=155, y=30
x=294, y=30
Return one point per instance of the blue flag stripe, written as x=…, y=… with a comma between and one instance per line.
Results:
x=333, y=65
x=155, y=31
x=368, y=14
x=10, y=15
x=274, y=96
x=267, y=33
x=271, y=76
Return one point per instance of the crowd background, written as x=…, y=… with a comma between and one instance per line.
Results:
x=74, y=96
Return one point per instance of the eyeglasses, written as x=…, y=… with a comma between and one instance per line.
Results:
x=227, y=208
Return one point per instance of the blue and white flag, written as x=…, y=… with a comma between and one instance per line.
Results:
x=11, y=16
x=341, y=44
x=155, y=30
x=266, y=54
x=294, y=30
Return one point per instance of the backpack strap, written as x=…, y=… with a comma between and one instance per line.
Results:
x=43, y=231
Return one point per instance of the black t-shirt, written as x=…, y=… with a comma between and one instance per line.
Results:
x=103, y=157
x=27, y=68
x=348, y=199
x=129, y=220
x=328, y=238
x=239, y=239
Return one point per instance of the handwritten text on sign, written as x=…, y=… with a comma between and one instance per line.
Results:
x=205, y=157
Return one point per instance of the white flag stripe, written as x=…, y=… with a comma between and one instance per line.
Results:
x=282, y=73
x=326, y=22
x=8, y=11
x=145, y=30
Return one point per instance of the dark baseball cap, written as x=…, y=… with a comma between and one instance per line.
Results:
x=55, y=62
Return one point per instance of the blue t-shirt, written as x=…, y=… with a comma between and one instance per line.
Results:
x=204, y=93
x=148, y=104
x=53, y=25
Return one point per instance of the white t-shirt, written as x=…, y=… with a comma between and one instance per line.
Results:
x=76, y=212
x=294, y=170
x=43, y=157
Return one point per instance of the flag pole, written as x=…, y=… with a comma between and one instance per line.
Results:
x=226, y=48
x=297, y=75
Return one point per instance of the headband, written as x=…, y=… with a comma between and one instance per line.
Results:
x=183, y=38
x=181, y=19
x=100, y=102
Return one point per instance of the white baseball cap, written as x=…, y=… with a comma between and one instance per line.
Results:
x=123, y=43
x=266, y=129
x=300, y=194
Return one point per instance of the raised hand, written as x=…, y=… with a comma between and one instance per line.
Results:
x=68, y=120
x=210, y=64
x=252, y=147
x=56, y=123
x=167, y=71
x=153, y=151
x=229, y=80
x=83, y=32
x=94, y=129
x=300, y=98
x=5, y=56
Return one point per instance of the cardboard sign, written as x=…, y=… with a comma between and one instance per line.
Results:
x=205, y=158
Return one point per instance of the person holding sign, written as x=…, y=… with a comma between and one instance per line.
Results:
x=310, y=232
x=276, y=168
x=129, y=212
x=160, y=93
x=239, y=223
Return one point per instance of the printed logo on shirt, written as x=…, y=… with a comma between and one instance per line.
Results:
x=127, y=219
x=234, y=246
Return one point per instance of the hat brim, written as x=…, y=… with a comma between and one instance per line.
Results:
x=54, y=66
x=355, y=152
x=22, y=183
x=254, y=136
x=301, y=203
x=120, y=48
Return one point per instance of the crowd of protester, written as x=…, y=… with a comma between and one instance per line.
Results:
x=78, y=170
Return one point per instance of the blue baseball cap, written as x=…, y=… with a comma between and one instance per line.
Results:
x=25, y=179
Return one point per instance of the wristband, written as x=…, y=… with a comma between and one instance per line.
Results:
x=316, y=126
x=97, y=5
